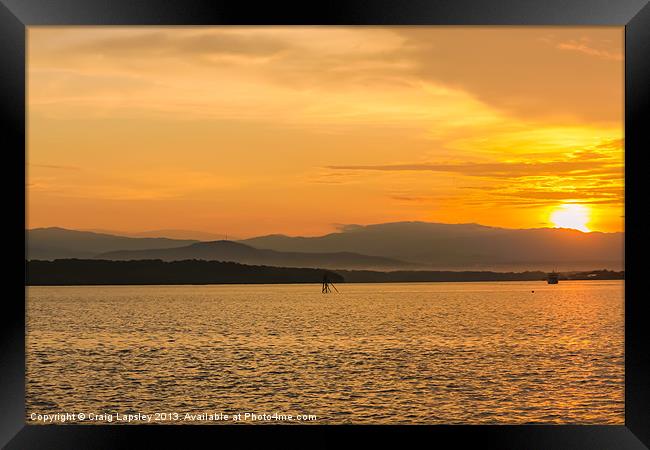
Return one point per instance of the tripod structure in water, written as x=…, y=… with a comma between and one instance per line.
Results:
x=326, y=285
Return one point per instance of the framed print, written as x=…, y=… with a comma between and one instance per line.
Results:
x=305, y=222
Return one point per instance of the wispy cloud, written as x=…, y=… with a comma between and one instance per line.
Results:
x=591, y=175
x=55, y=167
x=410, y=198
x=152, y=184
x=582, y=47
x=499, y=170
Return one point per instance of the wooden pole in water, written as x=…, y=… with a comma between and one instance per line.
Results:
x=326, y=288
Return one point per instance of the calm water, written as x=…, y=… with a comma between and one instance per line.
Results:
x=375, y=353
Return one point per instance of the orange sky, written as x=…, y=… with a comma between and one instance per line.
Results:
x=295, y=130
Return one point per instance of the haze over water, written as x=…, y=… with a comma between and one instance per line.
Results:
x=430, y=353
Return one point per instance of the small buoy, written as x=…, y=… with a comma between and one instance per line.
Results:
x=532, y=292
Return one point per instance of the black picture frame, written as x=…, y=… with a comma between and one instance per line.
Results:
x=16, y=15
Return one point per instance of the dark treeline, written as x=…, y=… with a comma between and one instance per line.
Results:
x=154, y=271
x=594, y=275
x=402, y=276
x=99, y=272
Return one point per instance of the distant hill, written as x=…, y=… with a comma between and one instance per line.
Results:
x=69, y=272
x=166, y=233
x=245, y=254
x=388, y=246
x=454, y=246
x=53, y=243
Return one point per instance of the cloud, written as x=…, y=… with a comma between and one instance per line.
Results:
x=498, y=170
x=581, y=47
x=521, y=71
x=151, y=184
x=410, y=198
x=592, y=175
x=345, y=227
x=600, y=159
x=317, y=79
x=55, y=167
x=201, y=48
x=512, y=71
x=612, y=194
x=616, y=145
x=322, y=53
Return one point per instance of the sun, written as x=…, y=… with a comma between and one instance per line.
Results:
x=571, y=216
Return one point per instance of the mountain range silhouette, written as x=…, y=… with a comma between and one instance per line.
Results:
x=387, y=246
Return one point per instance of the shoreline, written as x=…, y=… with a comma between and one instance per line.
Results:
x=91, y=272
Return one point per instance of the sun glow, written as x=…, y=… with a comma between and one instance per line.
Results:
x=571, y=216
